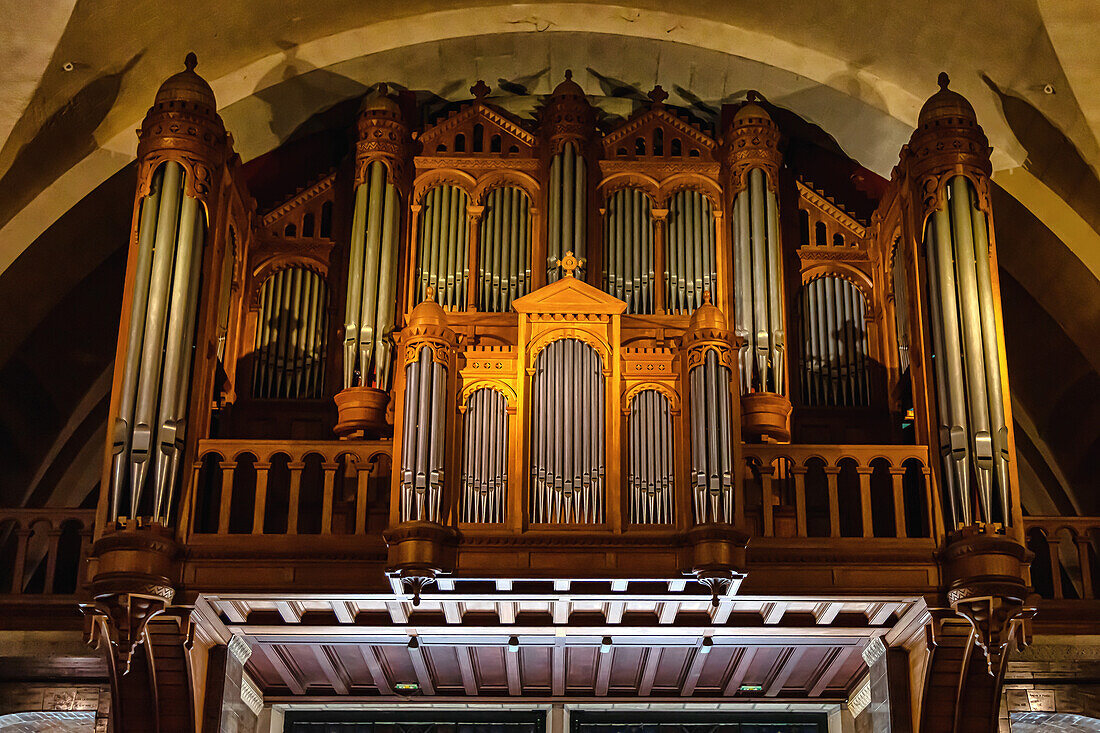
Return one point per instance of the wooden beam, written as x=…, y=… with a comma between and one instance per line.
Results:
x=787, y=665
x=620, y=586
x=773, y=612
x=282, y=666
x=832, y=669
x=399, y=613
x=721, y=614
x=328, y=666
x=698, y=659
x=826, y=613
x=504, y=585
x=733, y=684
x=603, y=671
x=445, y=584
x=676, y=586
x=649, y=671
x=345, y=611
x=511, y=667
x=235, y=611
x=506, y=612
x=420, y=666
x=561, y=611
x=557, y=667
x=613, y=612
x=666, y=612
x=452, y=612
x=561, y=586
x=291, y=611
x=880, y=613
x=370, y=658
x=466, y=667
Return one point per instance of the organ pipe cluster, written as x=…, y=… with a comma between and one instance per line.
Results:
x=567, y=435
x=485, y=457
x=156, y=372
x=628, y=250
x=372, y=281
x=423, y=434
x=504, y=254
x=651, y=471
x=966, y=364
x=291, y=336
x=834, y=344
x=568, y=209
x=691, y=262
x=758, y=306
x=900, y=280
x=444, y=263
x=711, y=440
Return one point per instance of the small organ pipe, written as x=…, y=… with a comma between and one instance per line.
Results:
x=553, y=251
x=514, y=246
x=761, y=333
x=368, y=308
x=691, y=249
x=743, y=297
x=568, y=176
x=147, y=232
x=387, y=292
x=775, y=314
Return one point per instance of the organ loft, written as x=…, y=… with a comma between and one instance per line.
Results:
x=554, y=401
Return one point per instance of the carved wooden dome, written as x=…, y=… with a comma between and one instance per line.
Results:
x=945, y=105
x=187, y=87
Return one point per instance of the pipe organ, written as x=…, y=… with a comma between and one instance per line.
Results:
x=561, y=325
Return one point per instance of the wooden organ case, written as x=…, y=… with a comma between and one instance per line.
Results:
x=579, y=348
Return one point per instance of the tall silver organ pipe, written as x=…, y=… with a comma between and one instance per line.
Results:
x=900, y=278
x=691, y=262
x=567, y=435
x=758, y=294
x=149, y=430
x=444, y=261
x=711, y=444
x=485, y=457
x=834, y=344
x=423, y=434
x=229, y=263
x=649, y=446
x=568, y=214
x=504, y=254
x=372, y=281
x=973, y=434
x=628, y=250
x=291, y=336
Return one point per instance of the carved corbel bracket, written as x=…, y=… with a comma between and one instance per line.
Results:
x=419, y=552
x=717, y=557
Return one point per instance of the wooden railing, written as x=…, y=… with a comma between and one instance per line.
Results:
x=288, y=487
x=837, y=491
x=43, y=551
x=1065, y=564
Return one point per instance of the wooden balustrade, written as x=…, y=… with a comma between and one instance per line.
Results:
x=837, y=491
x=288, y=487
x=43, y=551
x=1065, y=564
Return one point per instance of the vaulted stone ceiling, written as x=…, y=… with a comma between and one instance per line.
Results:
x=76, y=78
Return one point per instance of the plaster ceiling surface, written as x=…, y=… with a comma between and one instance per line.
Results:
x=860, y=68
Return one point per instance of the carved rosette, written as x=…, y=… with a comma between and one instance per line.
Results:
x=752, y=141
x=948, y=142
x=137, y=568
x=567, y=117
x=985, y=582
x=383, y=135
x=183, y=125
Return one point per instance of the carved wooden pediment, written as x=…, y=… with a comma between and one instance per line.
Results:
x=569, y=296
x=457, y=134
x=292, y=212
x=659, y=134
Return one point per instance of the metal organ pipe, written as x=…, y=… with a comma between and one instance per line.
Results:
x=567, y=469
x=444, y=246
x=711, y=442
x=650, y=476
x=690, y=268
x=967, y=365
x=568, y=215
x=504, y=249
x=758, y=295
x=422, y=470
x=628, y=250
x=292, y=338
x=834, y=334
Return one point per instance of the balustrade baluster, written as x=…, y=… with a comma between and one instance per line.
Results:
x=82, y=560
x=831, y=474
x=261, y=497
x=798, y=474
x=295, y=489
x=1055, y=563
x=362, y=476
x=227, y=495
x=1083, y=544
x=865, y=499
x=326, y=499
x=22, y=539
x=739, y=496
x=897, y=473
x=51, y=559
x=767, y=499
